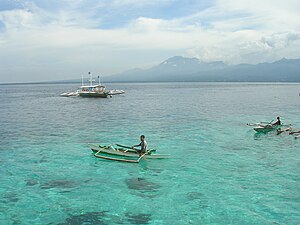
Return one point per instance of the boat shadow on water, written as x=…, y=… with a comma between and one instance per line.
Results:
x=143, y=187
x=107, y=217
x=260, y=135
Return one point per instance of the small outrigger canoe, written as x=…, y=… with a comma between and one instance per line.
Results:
x=266, y=128
x=269, y=127
x=123, y=153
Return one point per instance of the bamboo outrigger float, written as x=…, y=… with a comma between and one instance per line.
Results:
x=127, y=153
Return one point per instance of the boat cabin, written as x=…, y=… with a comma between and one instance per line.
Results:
x=92, y=89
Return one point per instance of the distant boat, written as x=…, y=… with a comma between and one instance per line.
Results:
x=91, y=90
x=270, y=127
x=94, y=91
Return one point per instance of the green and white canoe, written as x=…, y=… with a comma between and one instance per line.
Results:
x=128, y=155
x=268, y=128
x=265, y=129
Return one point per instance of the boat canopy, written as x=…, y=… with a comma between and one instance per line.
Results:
x=93, y=88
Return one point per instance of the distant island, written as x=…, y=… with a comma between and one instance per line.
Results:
x=183, y=69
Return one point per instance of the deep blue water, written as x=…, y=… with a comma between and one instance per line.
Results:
x=221, y=171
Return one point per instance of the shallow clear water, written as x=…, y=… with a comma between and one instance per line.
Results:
x=220, y=172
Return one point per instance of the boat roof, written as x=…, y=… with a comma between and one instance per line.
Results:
x=93, y=86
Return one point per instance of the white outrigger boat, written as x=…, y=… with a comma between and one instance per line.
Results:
x=93, y=90
x=123, y=153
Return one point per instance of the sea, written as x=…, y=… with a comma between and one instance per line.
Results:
x=220, y=170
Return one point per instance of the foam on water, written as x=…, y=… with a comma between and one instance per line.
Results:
x=220, y=172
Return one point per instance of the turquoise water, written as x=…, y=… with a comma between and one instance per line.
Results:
x=220, y=172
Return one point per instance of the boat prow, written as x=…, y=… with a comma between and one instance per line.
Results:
x=69, y=94
x=116, y=92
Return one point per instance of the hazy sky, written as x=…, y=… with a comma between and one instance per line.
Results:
x=62, y=39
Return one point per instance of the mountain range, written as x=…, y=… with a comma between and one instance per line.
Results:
x=180, y=68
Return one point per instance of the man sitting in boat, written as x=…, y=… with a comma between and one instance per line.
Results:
x=278, y=122
x=143, y=145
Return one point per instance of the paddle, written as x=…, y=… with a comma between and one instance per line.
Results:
x=142, y=156
x=261, y=124
x=267, y=122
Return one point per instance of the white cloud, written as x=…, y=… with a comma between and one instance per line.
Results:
x=67, y=40
x=17, y=18
x=138, y=3
x=273, y=15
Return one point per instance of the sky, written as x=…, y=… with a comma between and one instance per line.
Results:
x=46, y=40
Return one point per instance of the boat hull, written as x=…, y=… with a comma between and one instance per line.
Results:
x=265, y=129
x=95, y=95
x=122, y=153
